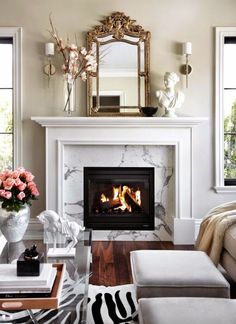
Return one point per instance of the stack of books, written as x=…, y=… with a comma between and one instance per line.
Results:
x=12, y=286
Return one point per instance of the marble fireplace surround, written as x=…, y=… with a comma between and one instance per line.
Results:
x=119, y=131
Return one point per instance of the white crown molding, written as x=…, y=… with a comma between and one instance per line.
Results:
x=118, y=73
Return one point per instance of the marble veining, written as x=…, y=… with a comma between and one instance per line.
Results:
x=76, y=157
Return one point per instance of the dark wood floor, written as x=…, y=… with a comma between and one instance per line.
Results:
x=111, y=265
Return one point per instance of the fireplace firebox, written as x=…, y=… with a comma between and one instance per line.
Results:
x=119, y=198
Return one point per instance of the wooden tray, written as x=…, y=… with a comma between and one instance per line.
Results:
x=51, y=302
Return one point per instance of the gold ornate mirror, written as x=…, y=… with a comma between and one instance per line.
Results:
x=120, y=84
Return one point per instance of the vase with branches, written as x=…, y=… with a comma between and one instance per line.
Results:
x=77, y=61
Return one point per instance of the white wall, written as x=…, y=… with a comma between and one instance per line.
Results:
x=170, y=23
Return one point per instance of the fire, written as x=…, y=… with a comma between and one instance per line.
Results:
x=116, y=192
x=104, y=198
x=138, y=196
x=124, y=198
x=124, y=205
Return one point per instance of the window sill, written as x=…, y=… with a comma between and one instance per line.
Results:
x=225, y=189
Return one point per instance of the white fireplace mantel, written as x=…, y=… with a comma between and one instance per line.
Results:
x=178, y=132
x=159, y=122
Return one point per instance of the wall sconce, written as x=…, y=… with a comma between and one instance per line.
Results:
x=186, y=69
x=49, y=69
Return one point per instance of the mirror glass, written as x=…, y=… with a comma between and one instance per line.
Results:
x=120, y=83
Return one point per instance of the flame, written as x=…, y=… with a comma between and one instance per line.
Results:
x=104, y=198
x=119, y=196
x=116, y=192
x=138, y=196
x=123, y=202
x=125, y=189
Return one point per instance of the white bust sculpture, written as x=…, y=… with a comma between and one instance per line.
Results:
x=169, y=98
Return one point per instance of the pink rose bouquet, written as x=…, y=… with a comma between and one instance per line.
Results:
x=17, y=188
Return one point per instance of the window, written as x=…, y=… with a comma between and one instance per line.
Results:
x=225, y=109
x=229, y=97
x=10, y=94
x=6, y=112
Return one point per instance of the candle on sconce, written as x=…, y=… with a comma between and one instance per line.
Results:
x=49, y=69
x=49, y=49
x=187, y=48
x=186, y=68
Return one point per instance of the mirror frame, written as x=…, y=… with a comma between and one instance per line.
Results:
x=118, y=26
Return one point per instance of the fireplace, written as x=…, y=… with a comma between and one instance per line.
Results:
x=72, y=143
x=118, y=198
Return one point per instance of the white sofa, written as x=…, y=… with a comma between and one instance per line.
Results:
x=228, y=256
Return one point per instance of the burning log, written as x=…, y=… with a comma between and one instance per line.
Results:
x=123, y=200
x=110, y=204
x=130, y=199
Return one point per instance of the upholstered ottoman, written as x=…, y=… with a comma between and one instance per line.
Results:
x=176, y=274
x=187, y=311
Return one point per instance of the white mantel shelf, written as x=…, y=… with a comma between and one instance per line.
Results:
x=119, y=121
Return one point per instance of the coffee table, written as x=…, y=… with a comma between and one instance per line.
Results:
x=74, y=294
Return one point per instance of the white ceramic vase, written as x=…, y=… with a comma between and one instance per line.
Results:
x=13, y=224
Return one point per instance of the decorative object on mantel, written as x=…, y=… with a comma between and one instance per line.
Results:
x=17, y=189
x=126, y=46
x=54, y=225
x=77, y=61
x=149, y=111
x=169, y=98
x=186, y=69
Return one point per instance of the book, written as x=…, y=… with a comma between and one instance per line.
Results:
x=25, y=295
x=31, y=289
x=34, y=302
x=8, y=277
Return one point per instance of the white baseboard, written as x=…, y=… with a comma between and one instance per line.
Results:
x=197, y=226
x=183, y=231
x=186, y=230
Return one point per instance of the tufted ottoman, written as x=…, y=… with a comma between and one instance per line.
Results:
x=187, y=311
x=176, y=274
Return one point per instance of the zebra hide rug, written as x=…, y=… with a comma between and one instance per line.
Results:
x=106, y=305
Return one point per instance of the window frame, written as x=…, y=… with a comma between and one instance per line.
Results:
x=220, y=34
x=16, y=34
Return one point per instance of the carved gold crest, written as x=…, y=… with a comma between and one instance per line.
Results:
x=117, y=24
